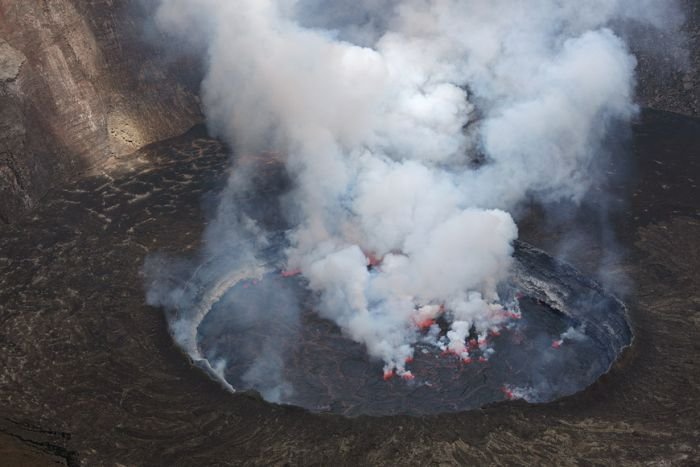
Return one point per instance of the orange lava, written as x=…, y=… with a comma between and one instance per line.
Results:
x=409, y=359
x=408, y=377
x=388, y=375
x=373, y=260
x=557, y=344
x=425, y=324
x=291, y=272
x=508, y=393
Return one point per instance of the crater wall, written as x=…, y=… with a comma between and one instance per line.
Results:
x=78, y=85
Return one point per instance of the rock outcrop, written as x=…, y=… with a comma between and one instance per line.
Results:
x=79, y=84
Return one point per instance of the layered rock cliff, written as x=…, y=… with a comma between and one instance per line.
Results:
x=79, y=84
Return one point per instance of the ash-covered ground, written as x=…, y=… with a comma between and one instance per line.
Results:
x=90, y=376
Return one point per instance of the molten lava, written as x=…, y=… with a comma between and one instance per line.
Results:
x=373, y=260
x=508, y=393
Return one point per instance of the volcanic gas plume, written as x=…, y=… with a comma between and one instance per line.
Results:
x=408, y=131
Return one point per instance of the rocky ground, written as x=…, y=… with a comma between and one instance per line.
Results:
x=89, y=375
x=669, y=63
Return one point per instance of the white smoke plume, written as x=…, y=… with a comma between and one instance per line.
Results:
x=410, y=129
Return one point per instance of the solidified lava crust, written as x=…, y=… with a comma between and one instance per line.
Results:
x=86, y=367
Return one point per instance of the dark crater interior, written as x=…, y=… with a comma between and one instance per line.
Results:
x=265, y=336
x=546, y=354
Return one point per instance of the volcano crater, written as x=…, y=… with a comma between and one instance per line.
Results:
x=567, y=332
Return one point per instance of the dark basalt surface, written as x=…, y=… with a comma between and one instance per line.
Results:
x=90, y=376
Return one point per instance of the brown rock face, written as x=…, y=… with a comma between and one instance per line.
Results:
x=78, y=84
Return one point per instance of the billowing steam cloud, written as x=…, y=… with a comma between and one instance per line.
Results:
x=409, y=129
